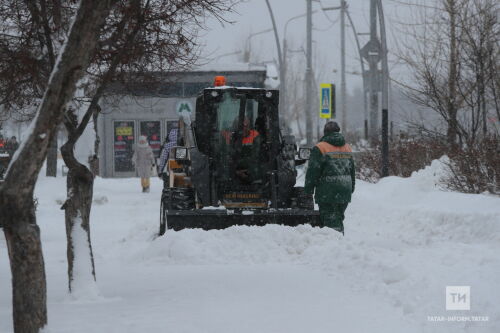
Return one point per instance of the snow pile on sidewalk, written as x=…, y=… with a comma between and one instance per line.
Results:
x=428, y=178
x=240, y=245
x=418, y=211
x=406, y=240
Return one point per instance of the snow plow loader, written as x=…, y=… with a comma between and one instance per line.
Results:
x=233, y=166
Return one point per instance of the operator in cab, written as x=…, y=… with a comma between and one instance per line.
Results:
x=247, y=159
x=247, y=167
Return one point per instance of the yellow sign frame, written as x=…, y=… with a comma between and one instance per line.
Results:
x=326, y=100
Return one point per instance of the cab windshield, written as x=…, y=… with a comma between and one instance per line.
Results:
x=238, y=137
x=228, y=112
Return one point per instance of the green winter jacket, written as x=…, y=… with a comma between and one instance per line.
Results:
x=331, y=171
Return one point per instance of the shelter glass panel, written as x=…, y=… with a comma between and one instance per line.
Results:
x=152, y=130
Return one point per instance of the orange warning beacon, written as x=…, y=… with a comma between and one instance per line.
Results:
x=219, y=81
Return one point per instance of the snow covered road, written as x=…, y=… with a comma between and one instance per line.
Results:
x=405, y=242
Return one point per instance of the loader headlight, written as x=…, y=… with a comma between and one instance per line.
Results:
x=304, y=153
x=269, y=94
x=214, y=93
x=181, y=153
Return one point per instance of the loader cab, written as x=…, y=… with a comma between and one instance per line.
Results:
x=225, y=110
x=238, y=129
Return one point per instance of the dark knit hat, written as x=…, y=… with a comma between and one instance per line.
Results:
x=331, y=127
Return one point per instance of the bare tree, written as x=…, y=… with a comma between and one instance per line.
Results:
x=452, y=51
x=430, y=51
x=17, y=210
x=143, y=39
x=478, y=59
x=29, y=48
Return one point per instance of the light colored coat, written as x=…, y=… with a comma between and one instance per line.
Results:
x=143, y=160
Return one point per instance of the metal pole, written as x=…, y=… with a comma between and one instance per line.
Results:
x=294, y=18
x=284, y=91
x=374, y=87
x=343, y=9
x=343, y=94
x=227, y=55
x=363, y=73
x=283, y=96
x=385, y=143
x=246, y=54
x=280, y=58
x=385, y=94
x=309, y=125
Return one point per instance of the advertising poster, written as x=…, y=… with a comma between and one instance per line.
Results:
x=124, y=141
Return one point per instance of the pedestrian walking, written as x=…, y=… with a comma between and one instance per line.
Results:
x=170, y=142
x=144, y=161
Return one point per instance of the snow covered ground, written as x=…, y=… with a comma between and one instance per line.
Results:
x=405, y=242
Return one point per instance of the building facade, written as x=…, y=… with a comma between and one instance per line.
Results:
x=153, y=111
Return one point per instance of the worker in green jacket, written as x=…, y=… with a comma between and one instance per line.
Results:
x=331, y=172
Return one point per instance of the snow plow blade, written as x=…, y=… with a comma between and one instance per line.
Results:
x=208, y=219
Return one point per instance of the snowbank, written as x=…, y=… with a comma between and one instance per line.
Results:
x=241, y=244
x=406, y=240
x=417, y=206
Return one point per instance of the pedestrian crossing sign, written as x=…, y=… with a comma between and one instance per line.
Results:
x=327, y=100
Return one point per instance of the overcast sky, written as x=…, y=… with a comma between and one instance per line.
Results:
x=252, y=16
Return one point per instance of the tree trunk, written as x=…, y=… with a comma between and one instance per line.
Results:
x=80, y=182
x=95, y=158
x=451, y=7
x=52, y=158
x=452, y=130
x=26, y=261
x=482, y=92
x=17, y=211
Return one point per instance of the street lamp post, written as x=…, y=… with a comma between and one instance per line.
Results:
x=343, y=94
x=373, y=54
x=363, y=73
x=227, y=55
x=343, y=7
x=283, y=84
x=385, y=93
x=308, y=77
x=280, y=58
x=246, y=53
